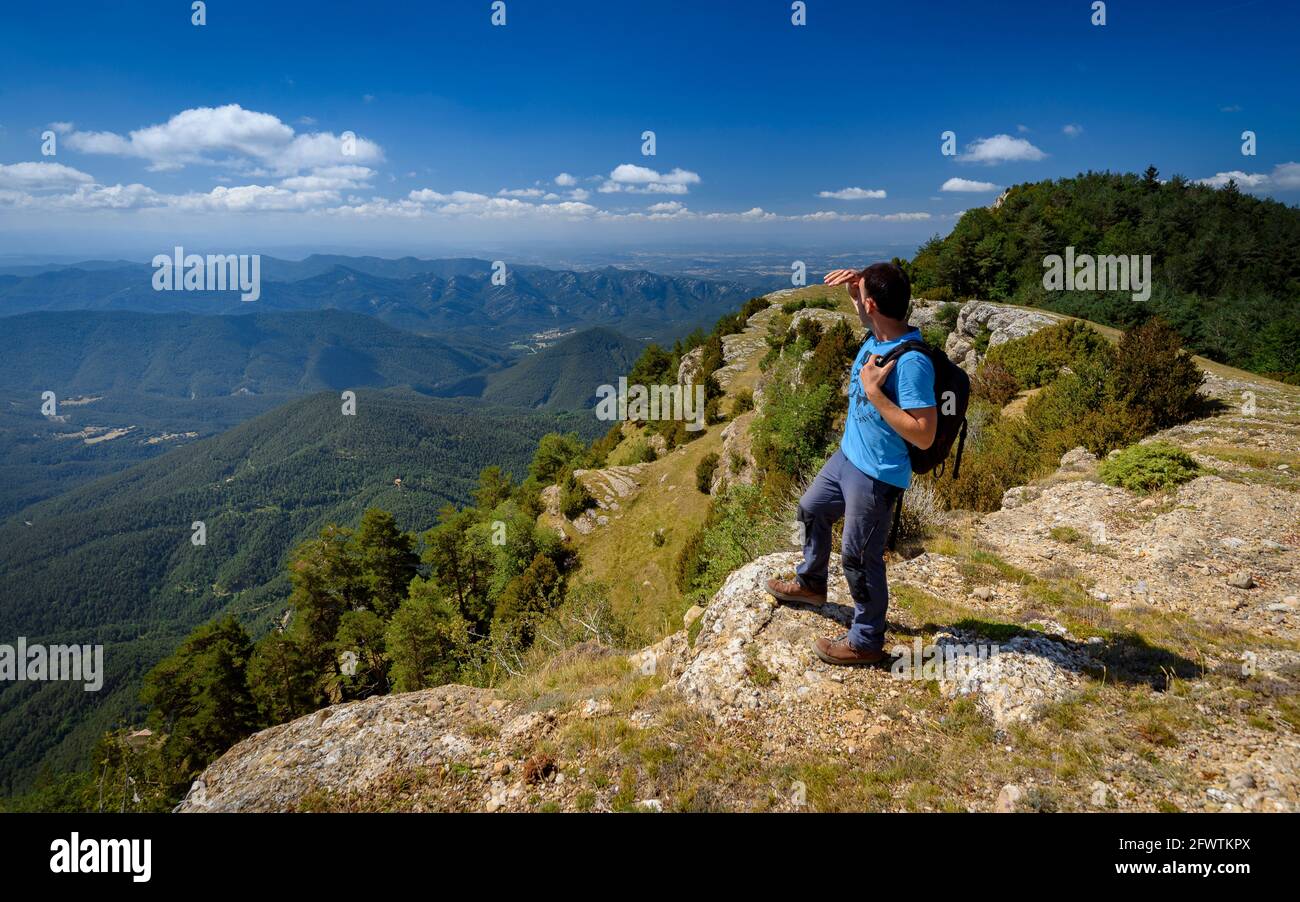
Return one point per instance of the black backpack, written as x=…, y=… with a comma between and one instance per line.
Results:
x=952, y=397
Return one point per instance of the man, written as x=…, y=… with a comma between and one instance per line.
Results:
x=889, y=407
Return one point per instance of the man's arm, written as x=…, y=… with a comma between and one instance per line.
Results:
x=917, y=425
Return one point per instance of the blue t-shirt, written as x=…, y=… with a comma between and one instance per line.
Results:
x=869, y=442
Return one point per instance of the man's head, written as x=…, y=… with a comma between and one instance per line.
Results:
x=888, y=287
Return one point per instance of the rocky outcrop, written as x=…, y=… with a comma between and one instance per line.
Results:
x=736, y=464
x=688, y=370
x=610, y=488
x=997, y=323
x=349, y=748
x=753, y=657
x=827, y=319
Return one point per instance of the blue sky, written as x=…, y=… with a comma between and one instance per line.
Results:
x=231, y=132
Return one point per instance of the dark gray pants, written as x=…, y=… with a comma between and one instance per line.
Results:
x=867, y=506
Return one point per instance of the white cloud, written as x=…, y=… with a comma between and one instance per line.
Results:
x=1072, y=130
x=250, y=198
x=229, y=135
x=521, y=192
x=471, y=203
x=956, y=184
x=668, y=206
x=41, y=176
x=833, y=216
x=1022, y=129
x=61, y=128
x=330, y=178
x=854, y=194
x=1286, y=176
x=1000, y=149
x=564, y=180
x=635, y=179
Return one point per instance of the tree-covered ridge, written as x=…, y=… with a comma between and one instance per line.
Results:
x=566, y=375
x=1226, y=267
x=112, y=562
x=186, y=355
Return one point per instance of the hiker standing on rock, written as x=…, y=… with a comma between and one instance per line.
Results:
x=891, y=407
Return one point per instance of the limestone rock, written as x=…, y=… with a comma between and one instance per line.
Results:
x=1003, y=323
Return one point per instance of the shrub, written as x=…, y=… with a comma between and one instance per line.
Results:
x=1155, y=377
x=995, y=383
x=808, y=332
x=742, y=524
x=806, y=303
x=1066, y=534
x=556, y=453
x=742, y=402
x=946, y=315
x=935, y=335
x=754, y=305
x=1036, y=359
x=574, y=497
x=795, y=429
x=832, y=354
x=922, y=509
x=1147, y=468
x=704, y=471
x=600, y=449
x=1078, y=410
x=637, y=452
x=688, y=566
x=1004, y=454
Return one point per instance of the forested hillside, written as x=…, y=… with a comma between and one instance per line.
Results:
x=1225, y=264
x=184, y=355
x=565, y=376
x=130, y=386
x=113, y=562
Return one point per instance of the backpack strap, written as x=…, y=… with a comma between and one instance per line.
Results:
x=961, y=443
x=910, y=345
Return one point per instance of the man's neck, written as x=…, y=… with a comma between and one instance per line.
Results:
x=888, y=329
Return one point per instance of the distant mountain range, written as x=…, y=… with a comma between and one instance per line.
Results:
x=448, y=298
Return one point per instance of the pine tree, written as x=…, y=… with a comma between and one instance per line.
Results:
x=427, y=640
x=199, y=694
x=387, y=561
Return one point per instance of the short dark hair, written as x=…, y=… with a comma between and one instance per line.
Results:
x=889, y=287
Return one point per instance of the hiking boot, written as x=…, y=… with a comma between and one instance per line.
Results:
x=792, y=591
x=839, y=651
